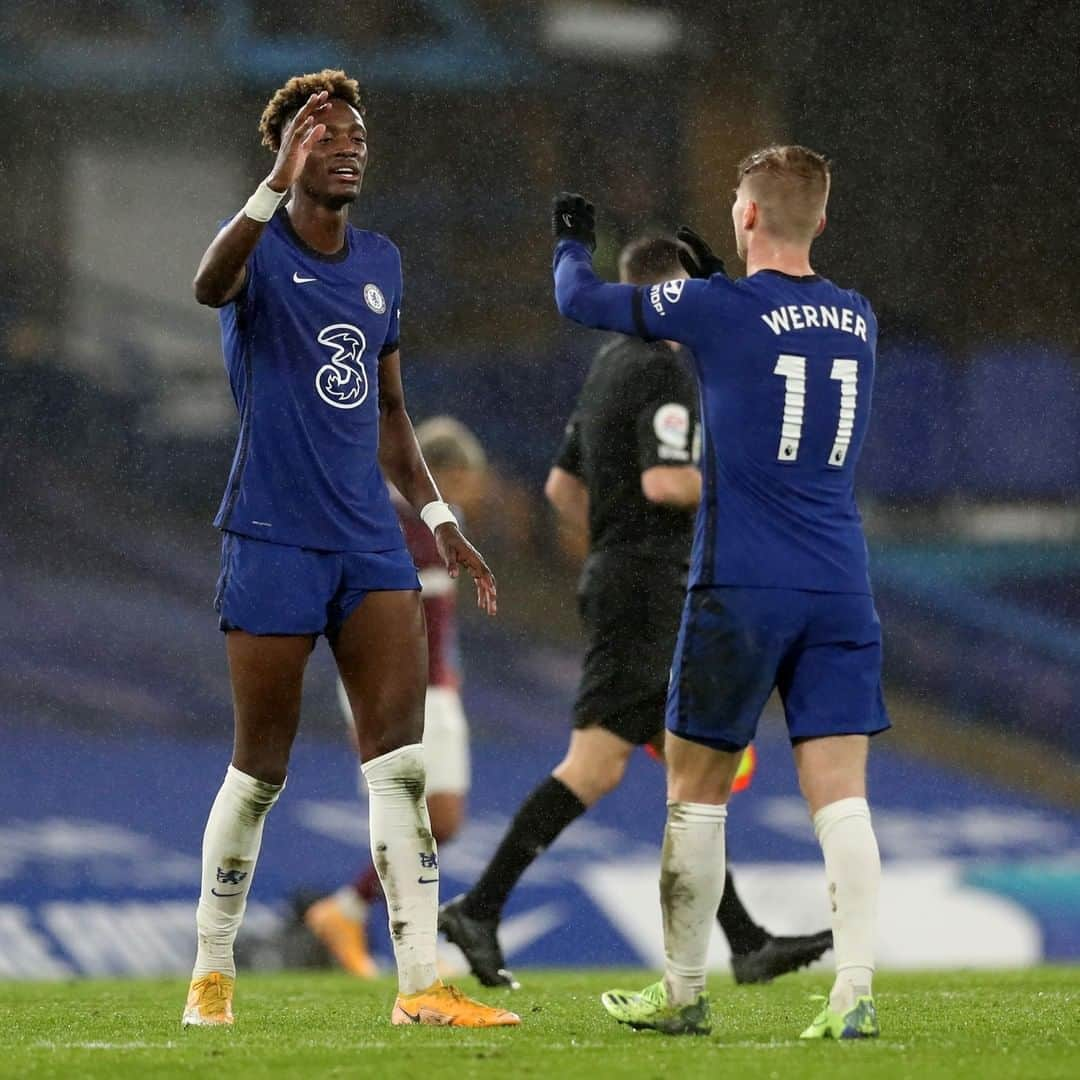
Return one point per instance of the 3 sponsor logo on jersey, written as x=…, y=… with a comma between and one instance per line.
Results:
x=343, y=383
x=374, y=298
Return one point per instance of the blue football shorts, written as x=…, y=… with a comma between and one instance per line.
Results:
x=267, y=588
x=822, y=651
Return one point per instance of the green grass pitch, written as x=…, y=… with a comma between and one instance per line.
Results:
x=960, y=1024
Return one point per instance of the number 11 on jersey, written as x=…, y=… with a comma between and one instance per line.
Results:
x=793, y=370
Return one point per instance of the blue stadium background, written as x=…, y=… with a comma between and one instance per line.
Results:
x=117, y=433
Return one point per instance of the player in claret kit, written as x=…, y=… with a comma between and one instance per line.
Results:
x=312, y=545
x=779, y=581
x=627, y=476
x=458, y=466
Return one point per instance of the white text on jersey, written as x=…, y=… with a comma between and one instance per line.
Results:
x=815, y=317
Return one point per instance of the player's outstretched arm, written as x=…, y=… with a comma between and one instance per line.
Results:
x=674, y=310
x=579, y=294
x=223, y=267
x=403, y=465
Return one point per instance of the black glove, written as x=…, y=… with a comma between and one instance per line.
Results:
x=573, y=217
x=696, y=256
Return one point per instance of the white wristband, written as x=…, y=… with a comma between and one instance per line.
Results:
x=435, y=514
x=263, y=204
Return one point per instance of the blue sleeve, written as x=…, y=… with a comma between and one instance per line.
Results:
x=392, y=341
x=669, y=311
x=580, y=295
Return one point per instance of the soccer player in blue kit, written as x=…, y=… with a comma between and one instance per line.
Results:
x=312, y=545
x=779, y=591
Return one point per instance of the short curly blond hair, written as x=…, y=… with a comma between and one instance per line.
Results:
x=287, y=101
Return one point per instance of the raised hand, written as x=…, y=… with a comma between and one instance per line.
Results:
x=696, y=256
x=297, y=139
x=457, y=552
x=574, y=217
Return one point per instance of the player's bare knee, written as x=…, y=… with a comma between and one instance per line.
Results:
x=697, y=772
x=384, y=729
x=375, y=744
x=822, y=791
x=831, y=768
x=268, y=768
x=447, y=813
x=594, y=764
x=609, y=775
x=590, y=782
x=713, y=790
x=444, y=832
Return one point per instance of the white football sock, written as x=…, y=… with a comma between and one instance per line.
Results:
x=230, y=849
x=853, y=870
x=406, y=860
x=691, y=885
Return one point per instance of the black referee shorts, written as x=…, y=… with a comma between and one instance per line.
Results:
x=630, y=607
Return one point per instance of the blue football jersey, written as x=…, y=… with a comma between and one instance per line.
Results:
x=785, y=367
x=302, y=344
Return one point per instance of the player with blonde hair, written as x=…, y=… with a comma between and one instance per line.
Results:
x=779, y=591
x=627, y=477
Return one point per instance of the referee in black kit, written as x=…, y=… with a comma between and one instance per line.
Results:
x=627, y=474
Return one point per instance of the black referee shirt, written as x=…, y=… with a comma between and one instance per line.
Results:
x=638, y=408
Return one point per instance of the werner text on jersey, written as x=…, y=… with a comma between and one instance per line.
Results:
x=786, y=368
x=302, y=343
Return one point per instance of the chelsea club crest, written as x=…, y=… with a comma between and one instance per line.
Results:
x=374, y=298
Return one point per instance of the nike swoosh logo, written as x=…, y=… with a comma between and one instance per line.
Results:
x=421, y=880
x=302, y=280
x=216, y=893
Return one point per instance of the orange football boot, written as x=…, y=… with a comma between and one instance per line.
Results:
x=447, y=1006
x=209, y=1001
x=344, y=938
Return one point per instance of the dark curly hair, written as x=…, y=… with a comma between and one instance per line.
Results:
x=288, y=101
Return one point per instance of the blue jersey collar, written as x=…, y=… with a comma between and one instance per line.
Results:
x=338, y=256
x=806, y=279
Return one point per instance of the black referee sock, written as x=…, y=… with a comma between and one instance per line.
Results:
x=542, y=816
x=743, y=934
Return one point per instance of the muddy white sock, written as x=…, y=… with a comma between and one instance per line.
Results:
x=853, y=871
x=406, y=861
x=691, y=885
x=230, y=849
